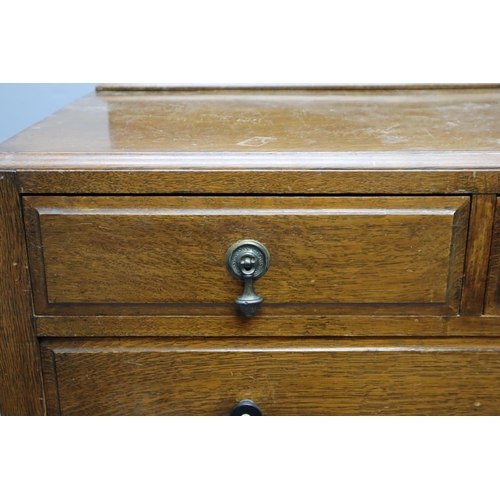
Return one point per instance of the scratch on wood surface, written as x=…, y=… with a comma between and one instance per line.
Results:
x=257, y=141
x=133, y=363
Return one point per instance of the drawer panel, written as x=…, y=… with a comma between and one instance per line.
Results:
x=283, y=377
x=492, y=305
x=166, y=255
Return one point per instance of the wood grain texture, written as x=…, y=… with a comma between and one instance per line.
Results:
x=492, y=300
x=379, y=141
x=200, y=161
x=267, y=180
x=284, y=377
x=20, y=374
x=168, y=251
x=459, y=120
x=50, y=383
x=478, y=252
x=362, y=195
x=262, y=326
x=272, y=181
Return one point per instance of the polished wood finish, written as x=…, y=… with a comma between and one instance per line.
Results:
x=271, y=121
x=492, y=301
x=284, y=377
x=317, y=140
x=478, y=253
x=20, y=374
x=50, y=382
x=404, y=253
x=402, y=177
x=268, y=326
x=376, y=202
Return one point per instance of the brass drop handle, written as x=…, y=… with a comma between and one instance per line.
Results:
x=248, y=260
x=246, y=408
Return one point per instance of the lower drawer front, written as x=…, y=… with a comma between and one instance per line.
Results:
x=289, y=377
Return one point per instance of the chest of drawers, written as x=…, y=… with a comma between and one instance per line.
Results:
x=122, y=214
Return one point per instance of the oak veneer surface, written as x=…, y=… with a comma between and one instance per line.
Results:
x=492, y=301
x=170, y=250
x=274, y=140
x=271, y=121
x=290, y=325
x=366, y=213
x=478, y=253
x=130, y=377
x=21, y=391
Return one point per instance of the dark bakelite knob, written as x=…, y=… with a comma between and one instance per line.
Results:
x=246, y=408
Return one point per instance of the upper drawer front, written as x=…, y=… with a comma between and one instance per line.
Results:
x=166, y=255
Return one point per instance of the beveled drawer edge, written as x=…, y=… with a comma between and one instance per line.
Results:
x=50, y=384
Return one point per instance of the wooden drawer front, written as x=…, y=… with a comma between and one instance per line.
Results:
x=350, y=377
x=492, y=304
x=165, y=255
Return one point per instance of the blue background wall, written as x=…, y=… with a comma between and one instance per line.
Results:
x=23, y=104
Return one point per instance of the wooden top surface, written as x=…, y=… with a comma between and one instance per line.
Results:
x=243, y=121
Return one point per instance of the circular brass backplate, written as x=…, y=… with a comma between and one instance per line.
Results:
x=244, y=247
